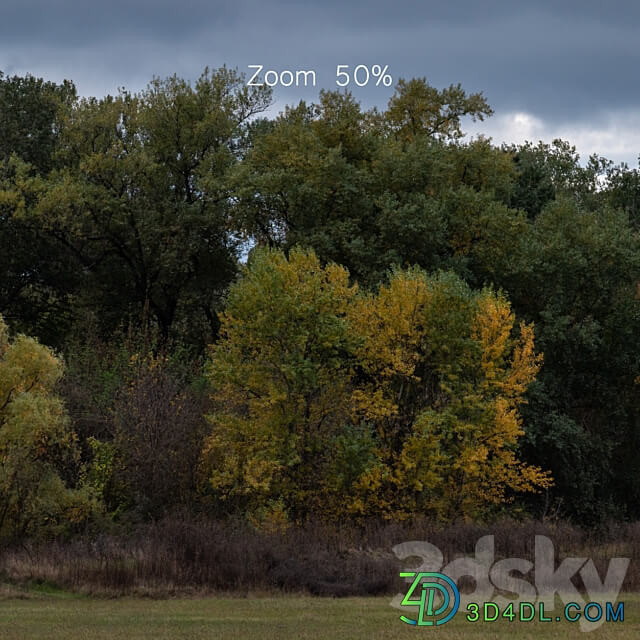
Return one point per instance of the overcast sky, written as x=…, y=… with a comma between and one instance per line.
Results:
x=565, y=69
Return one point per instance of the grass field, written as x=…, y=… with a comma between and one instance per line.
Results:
x=62, y=616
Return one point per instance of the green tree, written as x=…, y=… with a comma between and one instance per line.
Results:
x=328, y=176
x=547, y=171
x=623, y=191
x=36, y=275
x=280, y=374
x=31, y=114
x=140, y=202
x=577, y=279
x=416, y=108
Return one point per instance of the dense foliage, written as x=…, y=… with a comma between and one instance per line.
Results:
x=330, y=402
x=424, y=324
x=39, y=455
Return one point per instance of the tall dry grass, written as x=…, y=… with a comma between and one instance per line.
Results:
x=176, y=555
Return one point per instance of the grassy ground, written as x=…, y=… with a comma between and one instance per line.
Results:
x=59, y=616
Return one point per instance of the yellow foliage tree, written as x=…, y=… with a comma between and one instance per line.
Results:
x=333, y=402
x=37, y=445
x=445, y=379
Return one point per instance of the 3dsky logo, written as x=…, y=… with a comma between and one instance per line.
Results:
x=433, y=586
x=435, y=590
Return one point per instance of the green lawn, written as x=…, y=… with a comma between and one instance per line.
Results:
x=58, y=616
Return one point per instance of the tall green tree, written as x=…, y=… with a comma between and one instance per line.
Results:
x=139, y=200
x=623, y=191
x=548, y=171
x=577, y=280
x=335, y=178
x=31, y=114
x=36, y=274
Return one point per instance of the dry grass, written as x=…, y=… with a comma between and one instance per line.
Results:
x=176, y=557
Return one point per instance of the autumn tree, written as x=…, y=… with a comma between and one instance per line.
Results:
x=281, y=379
x=40, y=492
x=445, y=376
x=335, y=402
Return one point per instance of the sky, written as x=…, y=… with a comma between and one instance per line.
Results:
x=562, y=68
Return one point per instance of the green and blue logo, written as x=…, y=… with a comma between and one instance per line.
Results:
x=436, y=596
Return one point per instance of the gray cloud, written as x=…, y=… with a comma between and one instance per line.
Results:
x=562, y=62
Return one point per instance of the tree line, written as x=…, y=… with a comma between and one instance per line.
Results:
x=333, y=311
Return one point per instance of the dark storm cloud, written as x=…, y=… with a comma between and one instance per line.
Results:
x=556, y=60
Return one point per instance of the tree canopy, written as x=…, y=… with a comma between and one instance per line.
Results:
x=366, y=285
x=335, y=402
